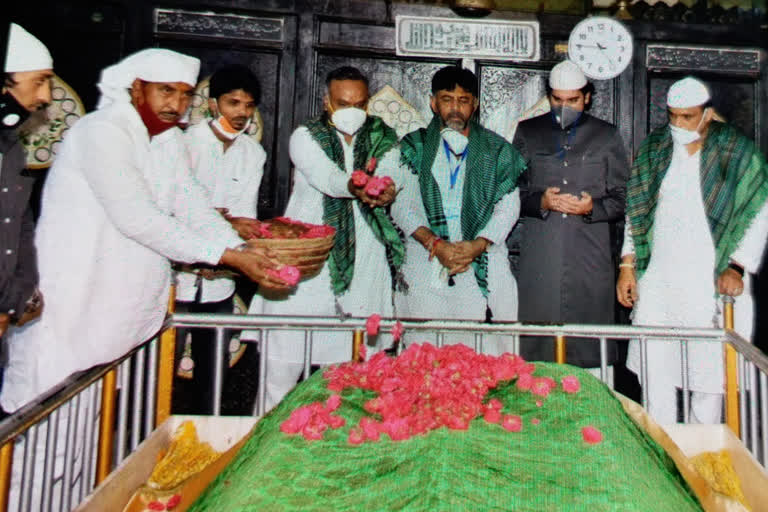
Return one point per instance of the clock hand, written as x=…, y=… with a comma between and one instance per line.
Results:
x=601, y=46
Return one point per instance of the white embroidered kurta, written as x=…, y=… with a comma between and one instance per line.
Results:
x=370, y=290
x=115, y=209
x=429, y=294
x=678, y=287
x=232, y=179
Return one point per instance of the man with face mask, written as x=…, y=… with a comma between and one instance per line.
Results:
x=26, y=87
x=571, y=194
x=462, y=204
x=118, y=204
x=229, y=164
x=364, y=264
x=697, y=220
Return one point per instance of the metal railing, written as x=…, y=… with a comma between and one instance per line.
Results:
x=132, y=395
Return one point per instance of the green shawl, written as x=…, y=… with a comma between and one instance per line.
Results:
x=493, y=166
x=734, y=186
x=373, y=140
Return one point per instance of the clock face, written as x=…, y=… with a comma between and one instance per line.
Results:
x=601, y=47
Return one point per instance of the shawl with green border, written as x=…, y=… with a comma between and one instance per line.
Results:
x=492, y=168
x=734, y=186
x=372, y=141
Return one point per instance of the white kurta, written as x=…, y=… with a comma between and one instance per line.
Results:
x=678, y=287
x=232, y=179
x=429, y=294
x=370, y=291
x=115, y=209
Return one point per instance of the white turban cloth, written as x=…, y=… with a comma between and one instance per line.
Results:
x=150, y=65
x=688, y=92
x=567, y=76
x=25, y=52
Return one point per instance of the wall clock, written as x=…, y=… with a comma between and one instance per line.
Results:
x=601, y=47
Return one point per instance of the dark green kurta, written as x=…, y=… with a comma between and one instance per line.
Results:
x=567, y=272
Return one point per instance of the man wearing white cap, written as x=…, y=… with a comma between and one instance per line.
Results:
x=26, y=87
x=118, y=204
x=571, y=195
x=697, y=219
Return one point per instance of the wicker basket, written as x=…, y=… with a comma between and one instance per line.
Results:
x=307, y=254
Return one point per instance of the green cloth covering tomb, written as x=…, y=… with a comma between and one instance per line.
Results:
x=546, y=467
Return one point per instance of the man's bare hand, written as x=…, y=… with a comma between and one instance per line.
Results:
x=5, y=321
x=467, y=252
x=255, y=264
x=626, y=287
x=576, y=205
x=245, y=227
x=384, y=199
x=730, y=283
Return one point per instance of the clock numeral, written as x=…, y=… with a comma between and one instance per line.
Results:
x=620, y=38
x=590, y=29
x=619, y=59
x=583, y=37
x=622, y=48
x=600, y=69
x=581, y=57
x=601, y=26
x=589, y=65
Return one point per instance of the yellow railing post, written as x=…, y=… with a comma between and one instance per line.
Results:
x=6, y=460
x=731, y=372
x=106, y=425
x=560, y=349
x=166, y=360
x=357, y=344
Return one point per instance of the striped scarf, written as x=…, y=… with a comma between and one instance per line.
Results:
x=734, y=186
x=492, y=168
x=373, y=140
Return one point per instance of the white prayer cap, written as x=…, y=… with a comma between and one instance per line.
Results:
x=688, y=92
x=150, y=65
x=25, y=52
x=567, y=76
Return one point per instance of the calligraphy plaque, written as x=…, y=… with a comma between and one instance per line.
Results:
x=210, y=24
x=474, y=39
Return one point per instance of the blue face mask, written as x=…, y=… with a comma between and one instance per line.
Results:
x=565, y=115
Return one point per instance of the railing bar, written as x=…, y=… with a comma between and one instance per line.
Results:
x=138, y=398
x=753, y=398
x=69, y=449
x=478, y=342
x=307, y=353
x=89, y=428
x=28, y=470
x=218, y=371
x=261, y=397
x=440, y=339
x=149, y=410
x=516, y=344
x=685, y=385
x=644, y=370
x=764, y=416
x=742, y=399
x=604, y=359
x=50, y=448
x=122, y=419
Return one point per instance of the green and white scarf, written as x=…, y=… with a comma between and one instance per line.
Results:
x=373, y=140
x=734, y=187
x=492, y=169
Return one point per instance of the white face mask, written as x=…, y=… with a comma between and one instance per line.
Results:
x=455, y=140
x=349, y=120
x=683, y=137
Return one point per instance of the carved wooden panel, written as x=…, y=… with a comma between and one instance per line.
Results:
x=209, y=24
x=412, y=80
x=733, y=100
x=703, y=59
x=266, y=67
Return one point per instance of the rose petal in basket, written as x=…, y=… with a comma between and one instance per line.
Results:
x=307, y=254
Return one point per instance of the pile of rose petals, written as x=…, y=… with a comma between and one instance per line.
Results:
x=289, y=274
x=310, y=231
x=423, y=389
x=374, y=185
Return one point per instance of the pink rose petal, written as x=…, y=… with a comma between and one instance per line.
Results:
x=571, y=384
x=397, y=331
x=591, y=435
x=539, y=403
x=372, y=324
x=359, y=179
x=492, y=416
x=512, y=422
x=333, y=402
x=535, y=421
x=356, y=436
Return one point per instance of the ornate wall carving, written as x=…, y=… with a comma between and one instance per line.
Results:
x=175, y=21
x=703, y=58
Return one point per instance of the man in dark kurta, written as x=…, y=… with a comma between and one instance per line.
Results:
x=572, y=192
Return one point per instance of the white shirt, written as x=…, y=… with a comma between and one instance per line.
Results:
x=116, y=208
x=370, y=290
x=232, y=179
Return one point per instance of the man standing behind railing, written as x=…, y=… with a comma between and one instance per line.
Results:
x=697, y=218
x=118, y=204
x=26, y=87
